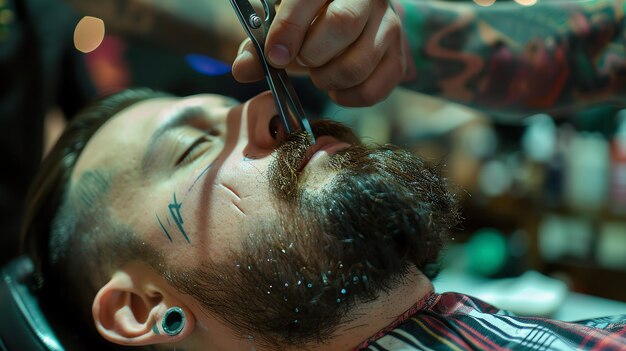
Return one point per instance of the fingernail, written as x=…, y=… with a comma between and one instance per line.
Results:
x=243, y=45
x=243, y=56
x=279, y=55
x=299, y=61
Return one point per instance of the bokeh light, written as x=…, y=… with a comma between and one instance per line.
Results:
x=526, y=2
x=89, y=34
x=484, y=2
x=206, y=65
x=6, y=16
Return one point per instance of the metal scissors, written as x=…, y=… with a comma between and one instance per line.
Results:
x=285, y=96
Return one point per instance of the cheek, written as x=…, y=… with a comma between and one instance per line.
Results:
x=221, y=201
x=216, y=220
x=244, y=188
x=140, y=210
x=247, y=178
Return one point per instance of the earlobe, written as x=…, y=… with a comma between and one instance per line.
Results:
x=128, y=310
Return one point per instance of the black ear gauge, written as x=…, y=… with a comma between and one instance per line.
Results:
x=173, y=321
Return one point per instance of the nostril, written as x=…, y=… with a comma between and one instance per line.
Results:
x=276, y=128
x=274, y=124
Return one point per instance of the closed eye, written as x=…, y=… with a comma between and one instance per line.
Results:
x=194, y=150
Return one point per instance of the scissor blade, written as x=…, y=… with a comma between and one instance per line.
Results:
x=278, y=81
x=297, y=111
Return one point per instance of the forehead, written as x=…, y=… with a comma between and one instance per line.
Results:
x=129, y=130
x=126, y=135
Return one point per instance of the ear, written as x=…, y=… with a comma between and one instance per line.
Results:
x=130, y=308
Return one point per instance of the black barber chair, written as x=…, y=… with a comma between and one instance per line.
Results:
x=23, y=327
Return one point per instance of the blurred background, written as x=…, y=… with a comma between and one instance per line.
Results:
x=543, y=200
x=544, y=197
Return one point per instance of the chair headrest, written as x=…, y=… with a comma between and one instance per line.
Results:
x=23, y=325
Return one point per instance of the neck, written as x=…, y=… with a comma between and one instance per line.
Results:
x=369, y=318
x=362, y=323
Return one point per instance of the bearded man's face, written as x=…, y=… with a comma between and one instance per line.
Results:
x=273, y=235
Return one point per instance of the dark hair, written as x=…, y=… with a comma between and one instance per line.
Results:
x=67, y=230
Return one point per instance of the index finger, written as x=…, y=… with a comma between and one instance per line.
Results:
x=292, y=21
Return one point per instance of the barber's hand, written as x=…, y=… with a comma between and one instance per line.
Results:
x=353, y=49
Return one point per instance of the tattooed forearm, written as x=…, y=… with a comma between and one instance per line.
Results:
x=207, y=27
x=556, y=55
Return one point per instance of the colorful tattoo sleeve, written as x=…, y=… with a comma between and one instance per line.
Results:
x=510, y=59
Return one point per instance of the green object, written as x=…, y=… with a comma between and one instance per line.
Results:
x=486, y=252
x=600, y=119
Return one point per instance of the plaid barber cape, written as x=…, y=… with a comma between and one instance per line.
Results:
x=455, y=322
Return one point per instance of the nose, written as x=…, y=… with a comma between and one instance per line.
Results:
x=265, y=129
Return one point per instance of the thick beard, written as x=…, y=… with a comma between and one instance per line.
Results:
x=297, y=276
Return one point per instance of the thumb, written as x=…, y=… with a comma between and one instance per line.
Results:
x=247, y=66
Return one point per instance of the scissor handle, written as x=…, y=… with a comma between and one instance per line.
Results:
x=256, y=26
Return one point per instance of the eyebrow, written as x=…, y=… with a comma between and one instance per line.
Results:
x=179, y=118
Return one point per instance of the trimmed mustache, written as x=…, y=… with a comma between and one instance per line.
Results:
x=291, y=153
